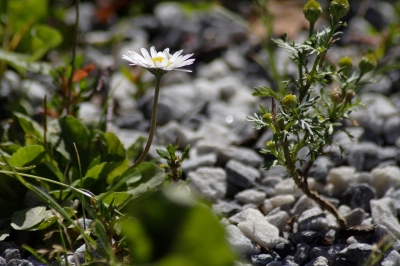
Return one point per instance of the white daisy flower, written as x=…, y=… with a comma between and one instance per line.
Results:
x=159, y=60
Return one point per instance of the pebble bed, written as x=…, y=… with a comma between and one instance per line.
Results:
x=267, y=218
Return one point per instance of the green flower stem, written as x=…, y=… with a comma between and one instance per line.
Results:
x=318, y=59
x=153, y=123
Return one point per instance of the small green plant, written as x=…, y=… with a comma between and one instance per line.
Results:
x=174, y=162
x=307, y=116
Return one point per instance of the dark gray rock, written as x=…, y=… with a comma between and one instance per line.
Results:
x=355, y=217
x=320, y=261
x=357, y=254
x=301, y=254
x=241, y=175
x=328, y=252
x=11, y=253
x=308, y=237
x=313, y=220
x=285, y=249
x=289, y=261
x=359, y=196
x=320, y=169
x=264, y=259
x=275, y=263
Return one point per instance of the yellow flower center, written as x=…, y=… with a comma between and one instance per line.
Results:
x=158, y=59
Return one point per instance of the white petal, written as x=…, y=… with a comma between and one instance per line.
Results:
x=153, y=52
x=175, y=56
x=183, y=70
x=146, y=55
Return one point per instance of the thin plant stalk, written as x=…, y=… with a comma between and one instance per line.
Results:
x=153, y=123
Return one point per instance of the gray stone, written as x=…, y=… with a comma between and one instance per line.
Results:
x=302, y=251
x=364, y=156
x=261, y=259
x=382, y=85
x=256, y=228
x=359, y=196
x=357, y=253
x=396, y=201
x=19, y=262
x=243, y=155
x=250, y=196
x=241, y=175
x=278, y=219
x=239, y=242
x=235, y=58
x=11, y=253
x=355, y=217
x=172, y=131
x=392, y=129
x=385, y=238
x=89, y=113
x=215, y=69
x=382, y=212
x=392, y=259
x=384, y=178
x=379, y=109
x=320, y=261
x=308, y=237
x=209, y=182
x=275, y=263
x=169, y=13
x=328, y=252
x=213, y=133
x=2, y=261
x=196, y=161
x=289, y=261
x=313, y=219
x=341, y=178
x=225, y=208
x=35, y=91
x=320, y=169
x=304, y=203
x=288, y=187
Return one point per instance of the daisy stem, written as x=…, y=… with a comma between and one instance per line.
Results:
x=153, y=123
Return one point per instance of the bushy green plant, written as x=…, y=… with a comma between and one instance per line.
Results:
x=306, y=118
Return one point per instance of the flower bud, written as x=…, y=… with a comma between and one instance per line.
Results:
x=270, y=144
x=368, y=63
x=289, y=101
x=346, y=63
x=267, y=117
x=336, y=95
x=339, y=9
x=312, y=11
x=350, y=94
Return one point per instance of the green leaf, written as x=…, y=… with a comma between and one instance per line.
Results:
x=66, y=131
x=29, y=126
x=265, y=92
x=163, y=154
x=151, y=177
x=118, y=197
x=22, y=11
x=21, y=61
x=115, y=151
x=44, y=38
x=50, y=219
x=185, y=153
x=29, y=155
x=136, y=148
x=168, y=222
x=25, y=219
